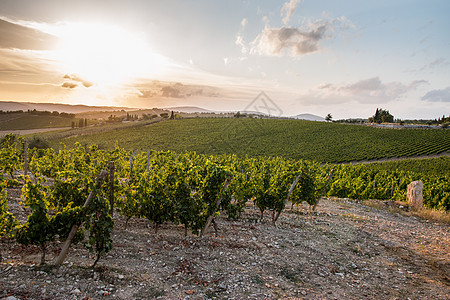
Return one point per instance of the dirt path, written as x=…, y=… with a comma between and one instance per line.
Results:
x=344, y=251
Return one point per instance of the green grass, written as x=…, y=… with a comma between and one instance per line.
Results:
x=323, y=142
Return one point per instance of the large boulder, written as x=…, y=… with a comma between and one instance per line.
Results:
x=414, y=195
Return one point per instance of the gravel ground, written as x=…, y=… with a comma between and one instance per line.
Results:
x=345, y=250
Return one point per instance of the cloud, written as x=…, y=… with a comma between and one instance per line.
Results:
x=158, y=89
x=244, y=23
x=27, y=66
x=373, y=89
x=69, y=85
x=74, y=81
x=288, y=10
x=440, y=62
x=296, y=41
x=240, y=42
x=437, y=95
x=172, y=92
x=289, y=40
x=366, y=91
x=145, y=94
x=15, y=36
x=240, y=39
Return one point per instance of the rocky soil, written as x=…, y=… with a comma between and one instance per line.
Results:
x=345, y=250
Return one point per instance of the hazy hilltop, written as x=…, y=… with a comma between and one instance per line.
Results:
x=308, y=117
x=189, y=109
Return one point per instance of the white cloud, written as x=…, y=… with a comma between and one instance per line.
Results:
x=289, y=40
x=296, y=41
x=241, y=43
x=366, y=91
x=244, y=23
x=288, y=10
x=438, y=95
x=240, y=39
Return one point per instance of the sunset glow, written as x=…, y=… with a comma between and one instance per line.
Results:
x=105, y=55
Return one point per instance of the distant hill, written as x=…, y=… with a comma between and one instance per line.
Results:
x=256, y=113
x=309, y=117
x=188, y=109
x=14, y=106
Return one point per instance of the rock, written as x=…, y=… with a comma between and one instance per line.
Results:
x=11, y=298
x=103, y=293
x=76, y=292
x=414, y=195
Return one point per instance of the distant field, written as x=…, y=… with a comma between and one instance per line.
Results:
x=25, y=121
x=319, y=141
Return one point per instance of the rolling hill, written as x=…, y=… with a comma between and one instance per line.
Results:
x=296, y=139
x=14, y=106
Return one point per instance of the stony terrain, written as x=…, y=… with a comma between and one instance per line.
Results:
x=345, y=250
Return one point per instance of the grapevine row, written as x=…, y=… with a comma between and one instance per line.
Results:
x=182, y=188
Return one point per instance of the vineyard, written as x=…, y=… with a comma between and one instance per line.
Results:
x=97, y=200
x=293, y=139
x=181, y=188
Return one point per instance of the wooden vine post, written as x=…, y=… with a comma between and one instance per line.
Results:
x=211, y=216
x=287, y=198
x=111, y=187
x=65, y=248
x=148, y=161
x=131, y=167
x=330, y=176
x=25, y=158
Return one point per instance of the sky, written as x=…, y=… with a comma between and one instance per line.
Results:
x=345, y=57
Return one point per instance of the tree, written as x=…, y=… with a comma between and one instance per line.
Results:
x=387, y=117
x=329, y=118
x=381, y=116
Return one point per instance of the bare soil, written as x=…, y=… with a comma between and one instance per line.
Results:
x=345, y=250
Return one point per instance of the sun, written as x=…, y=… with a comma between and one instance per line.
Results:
x=105, y=55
